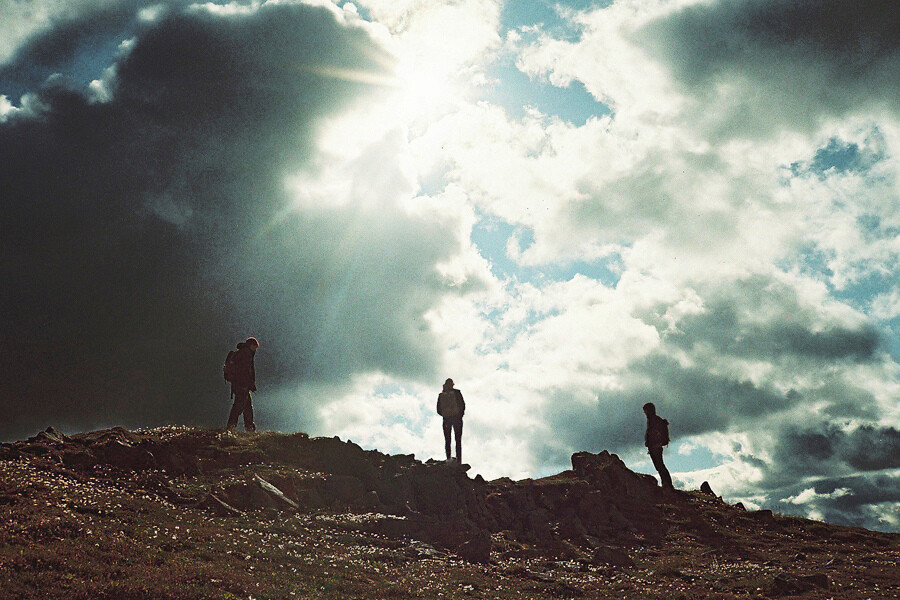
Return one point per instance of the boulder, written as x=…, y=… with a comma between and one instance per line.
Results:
x=78, y=458
x=764, y=516
x=51, y=435
x=275, y=493
x=537, y=526
x=344, y=490
x=606, y=555
x=124, y=455
x=788, y=585
x=477, y=549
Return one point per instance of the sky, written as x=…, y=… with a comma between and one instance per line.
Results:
x=571, y=208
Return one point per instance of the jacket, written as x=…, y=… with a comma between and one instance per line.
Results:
x=442, y=408
x=245, y=370
x=657, y=434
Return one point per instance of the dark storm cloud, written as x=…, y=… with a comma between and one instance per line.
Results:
x=693, y=379
x=790, y=330
x=855, y=500
x=789, y=63
x=724, y=327
x=77, y=38
x=692, y=399
x=144, y=236
x=827, y=448
x=700, y=398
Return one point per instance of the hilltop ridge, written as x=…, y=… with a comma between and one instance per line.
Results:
x=601, y=527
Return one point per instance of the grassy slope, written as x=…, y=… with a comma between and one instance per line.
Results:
x=108, y=534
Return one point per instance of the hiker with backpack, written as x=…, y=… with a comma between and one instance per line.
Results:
x=655, y=438
x=240, y=372
x=451, y=407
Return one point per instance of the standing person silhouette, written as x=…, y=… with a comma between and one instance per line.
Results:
x=241, y=373
x=451, y=407
x=657, y=436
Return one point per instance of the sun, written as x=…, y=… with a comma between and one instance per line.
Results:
x=425, y=88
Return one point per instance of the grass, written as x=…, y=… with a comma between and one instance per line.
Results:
x=113, y=535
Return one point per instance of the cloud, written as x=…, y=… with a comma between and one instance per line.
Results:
x=860, y=501
x=149, y=232
x=887, y=305
x=759, y=67
x=332, y=181
x=764, y=318
x=828, y=449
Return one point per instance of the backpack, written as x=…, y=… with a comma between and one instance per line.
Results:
x=448, y=404
x=661, y=431
x=229, y=369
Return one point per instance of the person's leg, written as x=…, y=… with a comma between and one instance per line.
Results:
x=249, y=425
x=448, y=424
x=657, y=458
x=236, y=409
x=457, y=429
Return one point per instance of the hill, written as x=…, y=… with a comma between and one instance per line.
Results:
x=180, y=513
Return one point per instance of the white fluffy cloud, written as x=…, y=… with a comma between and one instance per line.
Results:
x=738, y=306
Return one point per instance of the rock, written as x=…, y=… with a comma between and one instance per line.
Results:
x=217, y=506
x=344, y=489
x=419, y=549
x=124, y=455
x=740, y=506
x=78, y=458
x=706, y=489
x=593, y=509
x=333, y=457
x=573, y=529
x=606, y=555
x=477, y=549
x=370, y=500
x=607, y=473
x=819, y=580
x=764, y=516
x=275, y=492
x=784, y=585
x=175, y=460
x=618, y=520
x=51, y=435
x=537, y=526
x=250, y=495
x=310, y=498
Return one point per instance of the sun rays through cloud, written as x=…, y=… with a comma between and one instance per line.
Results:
x=569, y=210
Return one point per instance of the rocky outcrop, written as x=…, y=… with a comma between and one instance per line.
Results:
x=599, y=500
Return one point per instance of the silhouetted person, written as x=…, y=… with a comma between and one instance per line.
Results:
x=655, y=438
x=241, y=373
x=451, y=406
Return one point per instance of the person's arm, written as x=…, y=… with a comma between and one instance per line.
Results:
x=252, y=375
x=462, y=403
x=438, y=407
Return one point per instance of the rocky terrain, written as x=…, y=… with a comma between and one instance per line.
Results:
x=187, y=513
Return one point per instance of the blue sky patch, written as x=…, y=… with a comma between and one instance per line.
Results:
x=515, y=91
x=840, y=157
x=491, y=235
x=547, y=15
